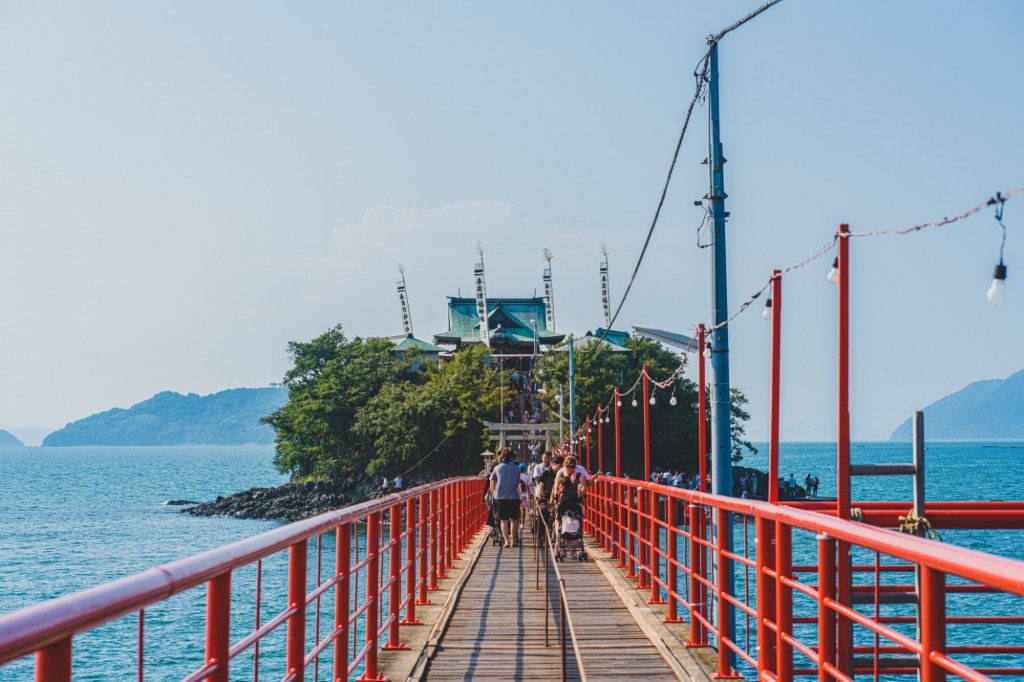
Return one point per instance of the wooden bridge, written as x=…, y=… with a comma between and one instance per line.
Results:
x=681, y=585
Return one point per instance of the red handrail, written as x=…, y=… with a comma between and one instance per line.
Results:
x=622, y=517
x=47, y=629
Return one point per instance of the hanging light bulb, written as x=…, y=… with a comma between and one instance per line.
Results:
x=767, y=312
x=607, y=420
x=634, y=402
x=672, y=401
x=618, y=403
x=652, y=400
x=833, y=274
x=997, y=291
x=707, y=350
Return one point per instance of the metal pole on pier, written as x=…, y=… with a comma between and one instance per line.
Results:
x=721, y=409
x=572, y=392
x=721, y=437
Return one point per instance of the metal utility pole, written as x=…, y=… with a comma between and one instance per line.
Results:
x=721, y=437
x=572, y=391
x=721, y=434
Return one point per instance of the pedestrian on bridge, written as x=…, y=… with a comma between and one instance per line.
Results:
x=507, y=486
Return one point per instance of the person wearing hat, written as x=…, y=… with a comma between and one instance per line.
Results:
x=507, y=487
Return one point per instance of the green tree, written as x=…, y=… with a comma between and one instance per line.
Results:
x=331, y=380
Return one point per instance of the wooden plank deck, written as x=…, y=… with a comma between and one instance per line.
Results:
x=496, y=631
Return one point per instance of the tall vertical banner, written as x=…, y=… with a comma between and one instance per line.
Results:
x=403, y=298
x=481, y=299
x=549, y=292
x=605, y=292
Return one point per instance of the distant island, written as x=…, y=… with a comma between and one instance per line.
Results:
x=9, y=440
x=226, y=418
x=984, y=410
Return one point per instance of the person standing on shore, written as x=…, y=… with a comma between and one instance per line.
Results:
x=506, y=485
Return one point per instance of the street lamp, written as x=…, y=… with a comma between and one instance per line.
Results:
x=560, y=398
x=536, y=343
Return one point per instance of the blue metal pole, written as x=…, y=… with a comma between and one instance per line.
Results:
x=721, y=435
x=572, y=390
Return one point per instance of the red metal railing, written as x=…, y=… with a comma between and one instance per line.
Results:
x=781, y=584
x=439, y=520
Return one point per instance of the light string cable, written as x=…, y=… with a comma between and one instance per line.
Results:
x=999, y=200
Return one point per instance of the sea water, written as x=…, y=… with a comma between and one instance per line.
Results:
x=71, y=518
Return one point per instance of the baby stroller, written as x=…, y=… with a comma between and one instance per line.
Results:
x=492, y=519
x=569, y=536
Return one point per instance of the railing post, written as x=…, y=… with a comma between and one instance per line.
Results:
x=342, y=564
x=826, y=616
x=642, y=556
x=446, y=530
x=621, y=525
x=394, y=578
x=696, y=603
x=218, y=626
x=784, y=599
x=372, y=595
x=765, y=559
x=631, y=522
x=423, y=549
x=721, y=587
x=410, y=559
x=53, y=664
x=673, y=558
x=933, y=622
x=436, y=544
x=296, y=645
x=653, y=546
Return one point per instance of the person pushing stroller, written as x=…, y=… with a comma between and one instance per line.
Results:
x=567, y=498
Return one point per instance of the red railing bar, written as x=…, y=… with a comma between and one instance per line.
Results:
x=40, y=625
x=866, y=622
x=256, y=635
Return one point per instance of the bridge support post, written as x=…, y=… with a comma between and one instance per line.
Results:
x=370, y=673
x=394, y=578
x=53, y=664
x=784, y=599
x=218, y=626
x=296, y=643
x=933, y=622
x=671, y=568
x=410, y=560
x=826, y=616
x=723, y=588
x=653, y=546
x=342, y=564
x=765, y=560
x=696, y=592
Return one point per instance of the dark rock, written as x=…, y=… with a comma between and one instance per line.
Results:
x=179, y=503
x=291, y=501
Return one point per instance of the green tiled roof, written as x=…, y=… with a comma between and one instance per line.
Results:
x=508, y=320
x=408, y=341
x=612, y=336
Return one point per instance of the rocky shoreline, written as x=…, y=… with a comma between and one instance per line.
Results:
x=291, y=501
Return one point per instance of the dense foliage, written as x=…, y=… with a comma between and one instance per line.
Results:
x=229, y=417
x=674, y=435
x=357, y=407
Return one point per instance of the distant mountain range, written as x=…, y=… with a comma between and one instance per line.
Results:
x=9, y=440
x=984, y=410
x=226, y=418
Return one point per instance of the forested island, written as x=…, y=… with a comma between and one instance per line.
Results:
x=229, y=417
x=359, y=410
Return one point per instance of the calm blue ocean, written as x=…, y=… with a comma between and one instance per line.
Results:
x=71, y=518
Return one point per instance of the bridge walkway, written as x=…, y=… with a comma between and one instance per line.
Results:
x=497, y=629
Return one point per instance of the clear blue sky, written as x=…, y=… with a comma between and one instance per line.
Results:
x=184, y=187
